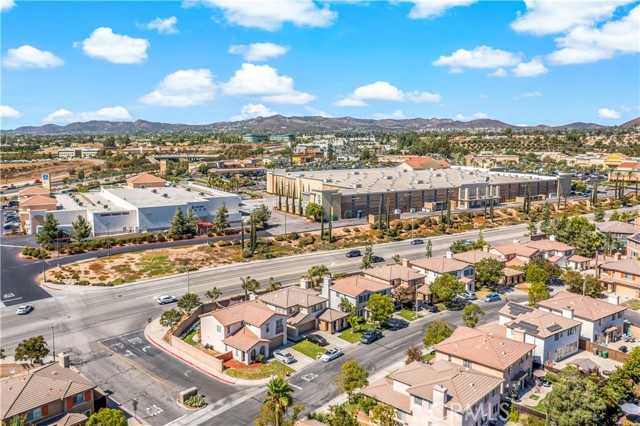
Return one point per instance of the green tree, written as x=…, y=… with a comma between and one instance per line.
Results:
x=367, y=257
x=353, y=319
x=48, y=232
x=18, y=420
x=575, y=401
x=107, y=417
x=414, y=353
x=536, y=274
x=33, y=349
x=314, y=212
x=489, y=272
x=532, y=227
x=221, y=220
x=81, y=229
x=460, y=246
x=437, y=331
x=191, y=222
x=315, y=273
x=178, y=224
x=170, y=318
x=380, y=306
x=261, y=215
x=471, y=314
x=339, y=416
x=188, y=302
x=624, y=381
x=545, y=225
x=553, y=271
x=352, y=376
x=598, y=214
x=579, y=283
x=537, y=293
x=446, y=287
x=429, y=251
x=278, y=398
x=383, y=415
x=249, y=285
x=213, y=294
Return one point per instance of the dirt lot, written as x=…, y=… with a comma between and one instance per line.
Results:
x=58, y=169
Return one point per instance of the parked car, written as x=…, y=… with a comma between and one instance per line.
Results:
x=331, y=354
x=353, y=253
x=284, y=357
x=376, y=259
x=166, y=299
x=24, y=309
x=416, y=242
x=9, y=225
x=371, y=336
x=469, y=295
x=318, y=340
x=493, y=297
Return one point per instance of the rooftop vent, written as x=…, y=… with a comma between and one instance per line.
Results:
x=154, y=191
x=420, y=181
x=165, y=195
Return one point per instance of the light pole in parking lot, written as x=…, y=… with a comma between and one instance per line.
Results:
x=108, y=240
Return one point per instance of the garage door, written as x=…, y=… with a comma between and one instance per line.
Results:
x=276, y=341
x=308, y=326
x=626, y=291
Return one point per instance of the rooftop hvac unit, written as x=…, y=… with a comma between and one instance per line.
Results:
x=404, y=170
x=437, y=175
x=99, y=202
x=105, y=206
x=80, y=203
x=420, y=181
x=165, y=195
x=189, y=189
x=201, y=194
x=357, y=185
x=328, y=180
x=356, y=173
x=154, y=191
x=388, y=177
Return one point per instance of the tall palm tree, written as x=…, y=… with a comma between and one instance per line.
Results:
x=249, y=285
x=274, y=285
x=316, y=272
x=213, y=294
x=278, y=397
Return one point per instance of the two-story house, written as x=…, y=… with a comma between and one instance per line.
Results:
x=302, y=305
x=508, y=359
x=633, y=246
x=516, y=253
x=433, y=267
x=357, y=289
x=557, y=252
x=401, y=277
x=601, y=320
x=622, y=277
x=556, y=337
x=618, y=232
x=246, y=329
x=442, y=394
x=473, y=257
x=54, y=392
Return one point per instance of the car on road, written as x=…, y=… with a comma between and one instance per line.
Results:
x=317, y=339
x=166, y=299
x=284, y=357
x=469, y=295
x=416, y=242
x=376, y=259
x=331, y=354
x=24, y=309
x=371, y=336
x=429, y=306
x=353, y=253
x=493, y=297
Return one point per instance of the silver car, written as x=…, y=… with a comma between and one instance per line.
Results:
x=284, y=357
x=24, y=309
x=331, y=354
x=166, y=299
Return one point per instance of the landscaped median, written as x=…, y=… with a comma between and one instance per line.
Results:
x=259, y=371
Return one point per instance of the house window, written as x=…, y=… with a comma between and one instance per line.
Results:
x=449, y=358
x=279, y=326
x=417, y=400
x=34, y=414
x=267, y=330
x=619, y=314
x=627, y=276
x=493, y=392
x=401, y=415
x=613, y=317
x=557, y=337
x=219, y=328
x=466, y=363
x=494, y=409
x=78, y=399
x=572, y=330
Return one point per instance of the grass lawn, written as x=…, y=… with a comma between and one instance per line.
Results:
x=355, y=337
x=540, y=407
x=535, y=397
x=189, y=338
x=309, y=349
x=428, y=357
x=273, y=368
x=409, y=315
x=633, y=304
x=441, y=307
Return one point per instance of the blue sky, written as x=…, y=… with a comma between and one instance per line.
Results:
x=216, y=60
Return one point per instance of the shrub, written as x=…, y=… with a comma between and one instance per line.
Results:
x=82, y=282
x=196, y=401
x=356, y=229
x=246, y=253
x=293, y=236
x=373, y=226
x=380, y=235
x=305, y=241
x=160, y=237
x=260, y=358
x=346, y=230
x=279, y=237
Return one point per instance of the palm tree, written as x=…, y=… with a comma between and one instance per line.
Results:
x=213, y=294
x=274, y=285
x=278, y=397
x=249, y=285
x=316, y=272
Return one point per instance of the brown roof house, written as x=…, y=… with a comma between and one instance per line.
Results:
x=246, y=329
x=507, y=359
x=401, y=277
x=439, y=394
x=601, y=320
x=49, y=393
x=145, y=180
x=301, y=304
x=622, y=277
x=30, y=191
x=357, y=289
x=433, y=267
x=556, y=337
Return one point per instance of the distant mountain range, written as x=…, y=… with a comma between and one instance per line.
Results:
x=279, y=124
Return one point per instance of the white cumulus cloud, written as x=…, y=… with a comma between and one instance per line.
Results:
x=423, y=9
x=6, y=5
x=29, y=57
x=271, y=15
x=103, y=43
x=183, y=88
x=253, y=111
x=163, y=26
x=476, y=116
x=264, y=82
x=608, y=113
x=479, y=57
x=533, y=68
x=317, y=112
x=395, y=115
x=384, y=91
x=63, y=116
x=258, y=51
x=9, y=112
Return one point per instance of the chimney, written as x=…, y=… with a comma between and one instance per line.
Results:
x=324, y=291
x=253, y=296
x=439, y=402
x=518, y=335
x=448, y=255
x=617, y=256
x=614, y=299
x=516, y=241
x=306, y=283
x=486, y=248
x=567, y=312
x=552, y=237
x=405, y=262
x=63, y=360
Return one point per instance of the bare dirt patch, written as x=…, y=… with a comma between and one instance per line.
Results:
x=58, y=169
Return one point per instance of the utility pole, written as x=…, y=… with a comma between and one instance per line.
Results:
x=108, y=240
x=44, y=272
x=53, y=340
x=188, y=283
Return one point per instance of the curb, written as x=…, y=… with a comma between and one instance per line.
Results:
x=50, y=288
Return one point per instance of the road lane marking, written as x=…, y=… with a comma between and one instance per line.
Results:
x=294, y=386
x=11, y=300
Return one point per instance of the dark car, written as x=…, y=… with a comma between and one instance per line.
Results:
x=430, y=307
x=376, y=259
x=416, y=242
x=353, y=253
x=623, y=349
x=371, y=336
x=318, y=340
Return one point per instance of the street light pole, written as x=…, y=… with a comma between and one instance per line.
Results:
x=108, y=240
x=53, y=340
x=188, y=283
x=44, y=271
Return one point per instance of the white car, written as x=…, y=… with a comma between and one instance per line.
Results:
x=166, y=299
x=284, y=357
x=24, y=309
x=331, y=354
